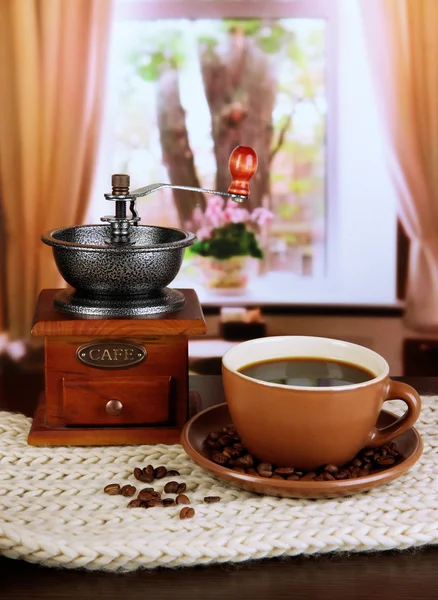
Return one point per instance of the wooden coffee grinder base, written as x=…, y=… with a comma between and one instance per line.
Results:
x=114, y=381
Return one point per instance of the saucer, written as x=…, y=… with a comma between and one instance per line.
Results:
x=213, y=419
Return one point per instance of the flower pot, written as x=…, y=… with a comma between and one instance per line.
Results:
x=227, y=277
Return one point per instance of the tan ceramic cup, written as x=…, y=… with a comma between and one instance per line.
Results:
x=307, y=427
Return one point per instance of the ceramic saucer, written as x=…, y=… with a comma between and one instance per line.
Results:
x=212, y=419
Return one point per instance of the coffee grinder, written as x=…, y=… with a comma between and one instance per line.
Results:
x=116, y=340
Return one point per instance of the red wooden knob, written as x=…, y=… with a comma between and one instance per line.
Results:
x=242, y=165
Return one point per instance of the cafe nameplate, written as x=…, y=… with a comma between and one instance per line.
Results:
x=111, y=354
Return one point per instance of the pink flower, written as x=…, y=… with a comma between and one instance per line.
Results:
x=239, y=215
x=204, y=233
x=215, y=202
x=261, y=216
x=197, y=216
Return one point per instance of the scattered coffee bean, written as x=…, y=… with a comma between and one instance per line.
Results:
x=246, y=462
x=128, y=490
x=284, y=471
x=160, y=472
x=182, y=499
x=168, y=502
x=181, y=488
x=112, y=489
x=138, y=473
x=293, y=477
x=153, y=502
x=212, y=499
x=331, y=469
x=172, y=473
x=264, y=469
x=136, y=503
x=385, y=461
x=328, y=476
x=219, y=458
x=148, y=489
x=187, y=513
x=171, y=487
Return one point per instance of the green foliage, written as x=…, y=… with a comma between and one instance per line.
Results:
x=157, y=55
x=231, y=240
x=247, y=26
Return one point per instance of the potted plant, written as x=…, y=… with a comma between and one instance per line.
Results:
x=227, y=250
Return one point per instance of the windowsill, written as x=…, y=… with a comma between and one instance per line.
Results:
x=286, y=290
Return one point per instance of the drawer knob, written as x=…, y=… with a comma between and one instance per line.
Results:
x=114, y=407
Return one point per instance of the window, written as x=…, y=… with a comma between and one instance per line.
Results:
x=190, y=80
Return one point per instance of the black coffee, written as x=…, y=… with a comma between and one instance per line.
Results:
x=308, y=372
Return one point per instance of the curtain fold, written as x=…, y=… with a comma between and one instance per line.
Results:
x=53, y=60
x=403, y=48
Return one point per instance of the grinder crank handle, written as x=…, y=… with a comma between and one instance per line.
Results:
x=242, y=166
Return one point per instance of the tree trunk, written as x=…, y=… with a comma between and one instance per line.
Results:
x=240, y=88
x=177, y=154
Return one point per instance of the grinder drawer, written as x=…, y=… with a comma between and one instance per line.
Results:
x=113, y=402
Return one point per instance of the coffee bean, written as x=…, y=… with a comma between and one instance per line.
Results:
x=112, y=489
x=213, y=436
x=138, y=473
x=265, y=469
x=172, y=473
x=276, y=477
x=385, y=461
x=251, y=472
x=211, y=499
x=168, y=502
x=238, y=446
x=182, y=499
x=136, y=503
x=219, y=458
x=319, y=478
x=149, y=495
x=232, y=452
x=286, y=471
x=331, y=469
x=293, y=477
x=181, y=488
x=149, y=469
x=226, y=440
x=160, y=472
x=171, y=487
x=128, y=490
x=229, y=429
x=147, y=475
x=213, y=444
x=239, y=470
x=187, y=513
x=393, y=453
x=328, y=476
x=245, y=461
x=368, y=452
x=356, y=462
x=153, y=502
x=145, y=490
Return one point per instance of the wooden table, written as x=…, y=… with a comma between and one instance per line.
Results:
x=382, y=576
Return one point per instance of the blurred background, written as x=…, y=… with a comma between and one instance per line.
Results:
x=338, y=98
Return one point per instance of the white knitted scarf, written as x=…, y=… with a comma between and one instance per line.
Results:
x=53, y=510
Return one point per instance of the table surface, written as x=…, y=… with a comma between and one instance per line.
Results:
x=384, y=575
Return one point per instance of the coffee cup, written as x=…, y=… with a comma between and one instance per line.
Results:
x=303, y=426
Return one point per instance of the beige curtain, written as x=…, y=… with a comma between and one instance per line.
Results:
x=403, y=44
x=52, y=70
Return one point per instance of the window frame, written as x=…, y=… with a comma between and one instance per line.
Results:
x=126, y=10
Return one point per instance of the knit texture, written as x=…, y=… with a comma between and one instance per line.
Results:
x=53, y=510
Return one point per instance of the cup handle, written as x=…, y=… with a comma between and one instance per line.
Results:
x=397, y=391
